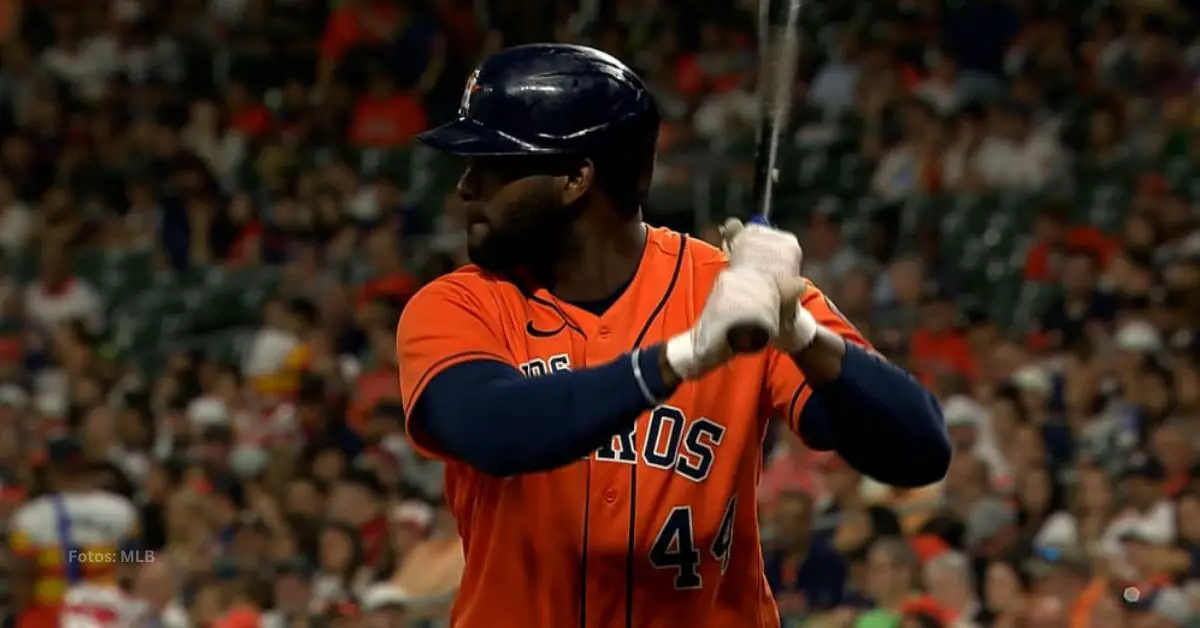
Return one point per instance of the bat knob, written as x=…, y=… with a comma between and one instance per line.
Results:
x=748, y=338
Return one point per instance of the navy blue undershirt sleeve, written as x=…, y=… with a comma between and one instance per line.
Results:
x=880, y=420
x=492, y=417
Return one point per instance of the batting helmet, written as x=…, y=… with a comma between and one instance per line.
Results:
x=550, y=99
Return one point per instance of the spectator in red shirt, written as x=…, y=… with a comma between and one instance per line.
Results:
x=391, y=280
x=246, y=247
x=1053, y=234
x=353, y=23
x=939, y=346
x=386, y=117
x=719, y=64
x=248, y=116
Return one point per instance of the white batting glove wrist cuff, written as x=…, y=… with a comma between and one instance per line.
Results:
x=681, y=355
x=800, y=333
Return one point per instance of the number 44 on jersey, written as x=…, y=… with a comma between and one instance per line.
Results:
x=670, y=443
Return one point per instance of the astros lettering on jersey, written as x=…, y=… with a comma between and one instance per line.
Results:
x=658, y=529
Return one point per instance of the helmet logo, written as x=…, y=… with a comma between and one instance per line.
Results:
x=470, y=89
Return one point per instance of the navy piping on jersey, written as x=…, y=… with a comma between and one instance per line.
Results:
x=567, y=322
x=514, y=424
x=631, y=533
x=596, y=308
x=583, y=555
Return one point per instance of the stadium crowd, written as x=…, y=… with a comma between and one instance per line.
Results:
x=212, y=213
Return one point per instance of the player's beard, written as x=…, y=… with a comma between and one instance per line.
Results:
x=533, y=236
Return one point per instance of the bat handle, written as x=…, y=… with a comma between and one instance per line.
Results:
x=749, y=338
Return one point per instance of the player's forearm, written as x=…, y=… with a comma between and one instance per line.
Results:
x=490, y=416
x=821, y=361
x=876, y=416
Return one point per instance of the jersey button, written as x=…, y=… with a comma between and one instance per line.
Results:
x=610, y=495
x=603, y=330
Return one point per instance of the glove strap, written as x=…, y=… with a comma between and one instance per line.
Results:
x=681, y=355
x=804, y=331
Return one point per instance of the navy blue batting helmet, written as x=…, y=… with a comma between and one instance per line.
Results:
x=550, y=99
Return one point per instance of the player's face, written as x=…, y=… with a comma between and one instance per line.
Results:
x=519, y=212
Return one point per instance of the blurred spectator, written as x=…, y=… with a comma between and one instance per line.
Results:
x=912, y=166
x=340, y=572
x=827, y=257
x=835, y=86
x=292, y=594
x=385, y=606
x=804, y=572
x=942, y=88
x=430, y=560
x=1014, y=154
x=1004, y=586
x=891, y=582
x=1053, y=236
x=951, y=585
x=155, y=591
x=58, y=297
x=385, y=117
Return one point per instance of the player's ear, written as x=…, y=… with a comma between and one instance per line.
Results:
x=579, y=181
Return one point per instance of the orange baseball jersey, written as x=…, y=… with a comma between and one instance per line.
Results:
x=659, y=529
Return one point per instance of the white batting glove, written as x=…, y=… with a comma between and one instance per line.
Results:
x=778, y=254
x=758, y=246
x=740, y=296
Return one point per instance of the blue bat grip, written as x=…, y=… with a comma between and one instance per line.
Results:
x=760, y=220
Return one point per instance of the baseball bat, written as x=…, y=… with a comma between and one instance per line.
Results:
x=778, y=51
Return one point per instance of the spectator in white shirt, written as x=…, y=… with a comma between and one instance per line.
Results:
x=835, y=87
x=84, y=63
x=941, y=88
x=58, y=296
x=969, y=425
x=271, y=344
x=220, y=149
x=728, y=112
x=905, y=169
x=1148, y=513
x=1014, y=157
x=1091, y=510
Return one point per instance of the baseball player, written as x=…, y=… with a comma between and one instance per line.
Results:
x=602, y=440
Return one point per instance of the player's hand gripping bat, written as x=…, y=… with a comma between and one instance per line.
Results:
x=778, y=49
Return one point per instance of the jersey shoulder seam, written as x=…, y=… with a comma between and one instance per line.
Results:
x=702, y=253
